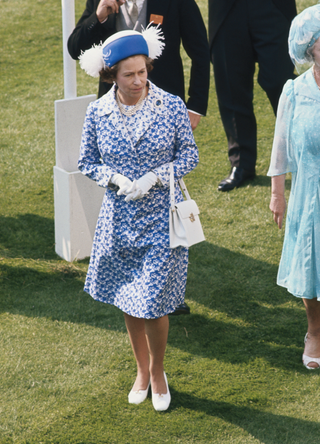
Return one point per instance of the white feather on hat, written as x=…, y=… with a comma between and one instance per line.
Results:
x=91, y=60
x=153, y=36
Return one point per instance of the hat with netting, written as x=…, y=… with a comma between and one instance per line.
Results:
x=304, y=32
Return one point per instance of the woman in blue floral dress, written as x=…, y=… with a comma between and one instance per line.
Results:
x=296, y=149
x=130, y=136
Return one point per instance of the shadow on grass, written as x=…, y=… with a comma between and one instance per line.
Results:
x=264, y=426
x=265, y=181
x=258, y=181
x=204, y=421
x=249, y=316
x=241, y=313
x=28, y=236
x=56, y=293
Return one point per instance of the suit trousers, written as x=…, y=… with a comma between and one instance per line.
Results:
x=255, y=31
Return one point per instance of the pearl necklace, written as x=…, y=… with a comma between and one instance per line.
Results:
x=315, y=77
x=132, y=110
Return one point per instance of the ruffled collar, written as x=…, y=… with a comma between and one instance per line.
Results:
x=152, y=107
x=107, y=104
x=307, y=86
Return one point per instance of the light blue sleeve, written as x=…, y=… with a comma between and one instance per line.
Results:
x=282, y=155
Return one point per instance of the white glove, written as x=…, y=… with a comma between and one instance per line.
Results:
x=141, y=186
x=122, y=182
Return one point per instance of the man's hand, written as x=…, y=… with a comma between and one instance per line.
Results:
x=194, y=119
x=107, y=7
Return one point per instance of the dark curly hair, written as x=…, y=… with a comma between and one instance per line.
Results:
x=109, y=75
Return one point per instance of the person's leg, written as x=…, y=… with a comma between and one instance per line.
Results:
x=157, y=336
x=312, y=346
x=234, y=65
x=270, y=30
x=137, y=335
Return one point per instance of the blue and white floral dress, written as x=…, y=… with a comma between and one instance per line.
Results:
x=131, y=264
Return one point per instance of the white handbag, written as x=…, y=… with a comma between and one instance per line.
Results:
x=184, y=223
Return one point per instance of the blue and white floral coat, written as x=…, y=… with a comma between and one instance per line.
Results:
x=131, y=264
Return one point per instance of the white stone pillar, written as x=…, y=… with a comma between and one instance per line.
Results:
x=77, y=199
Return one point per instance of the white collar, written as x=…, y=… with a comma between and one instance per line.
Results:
x=108, y=104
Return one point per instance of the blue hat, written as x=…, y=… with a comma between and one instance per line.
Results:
x=304, y=32
x=120, y=46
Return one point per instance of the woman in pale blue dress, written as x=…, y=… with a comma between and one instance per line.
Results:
x=129, y=138
x=296, y=149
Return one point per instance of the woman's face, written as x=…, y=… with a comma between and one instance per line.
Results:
x=316, y=52
x=131, y=79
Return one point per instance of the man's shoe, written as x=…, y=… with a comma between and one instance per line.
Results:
x=182, y=309
x=236, y=177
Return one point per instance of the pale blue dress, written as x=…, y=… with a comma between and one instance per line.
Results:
x=131, y=264
x=296, y=149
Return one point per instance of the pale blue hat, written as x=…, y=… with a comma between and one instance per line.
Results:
x=304, y=32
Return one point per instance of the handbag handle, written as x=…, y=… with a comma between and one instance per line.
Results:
x=182, y=186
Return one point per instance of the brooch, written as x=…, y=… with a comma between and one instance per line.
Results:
x=157, y=103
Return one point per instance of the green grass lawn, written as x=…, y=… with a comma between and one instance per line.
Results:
x=66, y=366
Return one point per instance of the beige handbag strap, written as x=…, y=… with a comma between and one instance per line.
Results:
x=184, y=189
x=182, y=186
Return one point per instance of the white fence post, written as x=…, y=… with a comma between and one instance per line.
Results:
x=69, y=65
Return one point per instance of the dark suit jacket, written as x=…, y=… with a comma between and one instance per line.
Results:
x=219, y=9
x=182, y=21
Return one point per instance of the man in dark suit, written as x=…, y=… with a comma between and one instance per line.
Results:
x=241, y=33
x=180, y=20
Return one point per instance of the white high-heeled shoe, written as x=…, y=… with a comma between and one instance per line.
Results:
x=161, y=402
x=138, y=396
x=306, y=360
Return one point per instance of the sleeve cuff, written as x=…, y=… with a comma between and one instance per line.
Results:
x=195, y=112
